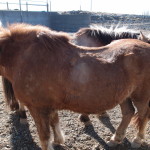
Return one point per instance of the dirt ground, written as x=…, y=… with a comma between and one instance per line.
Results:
x=15, y=136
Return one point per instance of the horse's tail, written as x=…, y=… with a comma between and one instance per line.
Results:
x=136, y=119
x=9, y=95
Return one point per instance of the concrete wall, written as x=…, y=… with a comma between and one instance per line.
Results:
x=28, y=17
x=69, y=23
x=54, y=20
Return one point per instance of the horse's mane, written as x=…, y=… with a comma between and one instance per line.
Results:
x=107, y=35
x=25, y=32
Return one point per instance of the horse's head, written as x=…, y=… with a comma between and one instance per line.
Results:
x=89, y=37
x=144, y=38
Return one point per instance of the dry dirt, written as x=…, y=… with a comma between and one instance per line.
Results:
x=14, y=136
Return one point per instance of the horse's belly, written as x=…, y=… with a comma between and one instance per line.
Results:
x=88, y=104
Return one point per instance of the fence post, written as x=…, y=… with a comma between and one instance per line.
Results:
x=7, y=6
x=26, y=6
x=47, y=7
x=20, y=10
x=50, y=5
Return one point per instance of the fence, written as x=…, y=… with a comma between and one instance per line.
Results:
x=24, y=5
x=54, y=20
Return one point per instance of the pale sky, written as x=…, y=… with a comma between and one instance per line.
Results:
x=110, y=6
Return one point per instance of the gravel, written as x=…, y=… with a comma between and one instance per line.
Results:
x=15, y=136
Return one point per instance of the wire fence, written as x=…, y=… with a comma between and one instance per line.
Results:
x=26, y=5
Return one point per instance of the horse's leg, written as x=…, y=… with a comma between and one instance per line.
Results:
x=127, y=114
x=58, y=134
x=41, y=118
x=141, y=120
x=85, y=119
x=22, y=114
x=103, y=114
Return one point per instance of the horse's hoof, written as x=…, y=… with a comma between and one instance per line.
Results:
x=23, y=121
x=112, y=143
x=59, y=140
x=105, y=115
x=88, y=123
x=136, y=143
x=50, y=146
x=84, y=118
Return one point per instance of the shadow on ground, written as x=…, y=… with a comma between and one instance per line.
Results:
x=106, y=121
x=21, y=138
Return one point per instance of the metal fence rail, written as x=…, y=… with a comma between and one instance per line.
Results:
x=23, y=5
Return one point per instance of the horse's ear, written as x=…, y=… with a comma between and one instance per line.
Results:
x=142, y=37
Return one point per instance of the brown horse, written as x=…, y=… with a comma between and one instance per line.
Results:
x=48, y=74
x=97, y=36
x=94, y=36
